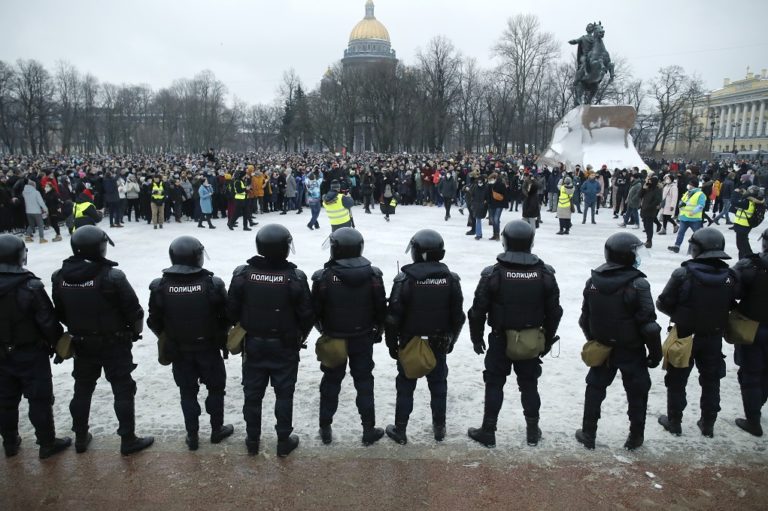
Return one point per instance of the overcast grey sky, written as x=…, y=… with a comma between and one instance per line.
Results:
x=249, y=43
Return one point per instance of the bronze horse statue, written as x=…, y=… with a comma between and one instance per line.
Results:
x=593, y=62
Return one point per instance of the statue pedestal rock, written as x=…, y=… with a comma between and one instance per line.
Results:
x=594, y=135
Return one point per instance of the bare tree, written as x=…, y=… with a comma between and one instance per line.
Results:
x=9, y=118
x=68, y=102
x=34, y=92
x=669, y=90
x=440, y=64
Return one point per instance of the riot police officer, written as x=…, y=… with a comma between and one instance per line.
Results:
x=752, y=359
x=518, y=293
x=698, y=298
x=617, y=311
x=350, y=304
x=425, y=301
x=188, y=307
x=28, y=332
x=270, y=299
x=102, y=313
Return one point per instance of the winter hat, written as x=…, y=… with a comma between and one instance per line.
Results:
x=335, y=186
x=694, y=182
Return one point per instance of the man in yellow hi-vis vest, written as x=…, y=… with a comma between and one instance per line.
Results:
x=691, y=211
x=84, y=212
x=338, y=207
x=751, y=201
x=158, y=202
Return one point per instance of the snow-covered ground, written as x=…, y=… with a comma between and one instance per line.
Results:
x=143, y=253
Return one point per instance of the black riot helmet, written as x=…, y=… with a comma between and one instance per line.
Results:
x=90, y=242
x=187, y=251
x=621, y=248
x=346, y=243
x=13, y=251
x=273, y=242
x=764, y=237
x=426, y=245
x=518, y=236
x=708, y=243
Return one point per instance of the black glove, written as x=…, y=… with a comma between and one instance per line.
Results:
x=653, y=361
x=376, y=334
x=393, y=353
x=479, y=347
x=57, y=360
x=548, y=345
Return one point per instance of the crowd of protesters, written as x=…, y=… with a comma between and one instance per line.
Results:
x=43, y=192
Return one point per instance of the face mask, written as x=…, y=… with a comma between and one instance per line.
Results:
x=636, y=264
x=492, y=181
x=690, y=187
x=448, y=175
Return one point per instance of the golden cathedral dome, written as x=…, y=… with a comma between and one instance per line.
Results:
x=369, y=27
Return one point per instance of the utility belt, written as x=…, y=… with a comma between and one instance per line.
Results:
x=264, y=346
x=7, y=348
x=95, y=344
x=439, y=343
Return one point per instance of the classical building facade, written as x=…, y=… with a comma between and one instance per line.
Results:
x=740, y=111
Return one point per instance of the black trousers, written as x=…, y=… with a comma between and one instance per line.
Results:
x=497, y=367
x=206, y=367
x=707, y=356
x=752, y=360
x=117, y=362
x=240, y=211
x=742, y=240
x=360, y=354
x=438, y=389
x=267, y=361
x=26, y=372
x=637, y=383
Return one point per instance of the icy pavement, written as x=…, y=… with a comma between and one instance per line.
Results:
x=143, y=253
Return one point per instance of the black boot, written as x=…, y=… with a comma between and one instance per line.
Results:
x=253, y=445
x=397, y=433
x=438, y=428
x=485, y=434
x=130, y=444
x=532, y=431
x=636, y=437
x=707, y=427
x=672, y=424
x=587, y=434
x=470, y=232
x=82, y=441
x=55, y=447
x=371, y=435
x=219, y=434
x=192, y=441
x=12, y=446
x=286, y=445
x=752, y=427
x=326, y=434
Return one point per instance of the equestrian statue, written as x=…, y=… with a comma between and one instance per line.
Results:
x=592, y=62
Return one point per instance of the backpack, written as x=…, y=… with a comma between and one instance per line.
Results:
x=757, y=215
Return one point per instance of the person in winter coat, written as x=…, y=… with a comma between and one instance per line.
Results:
x=206, y=204
x=35, y=207
x=591, y=190
x=338, y=207
x=552, y=189
x=726, y=195
x=112, y=199
x=497, y=202
x=313, y=185
x=650, y=201
x=531, y=202
x=633, y=203
x=564, y=206
x=691, y=211
x=290, y=192
x=53, y=203
x=668, y=204
x=447, y=189
x=132, y=192
x=388, y=200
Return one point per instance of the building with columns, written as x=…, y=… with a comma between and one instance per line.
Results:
x=740, y=111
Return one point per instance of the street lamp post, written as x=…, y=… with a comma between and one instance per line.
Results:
x=712, y=123
x=735, y=126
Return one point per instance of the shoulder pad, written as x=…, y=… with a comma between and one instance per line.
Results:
x=239, y=270
x=641, y=284
x=114, y=274
x=487, y=271
x=456, y=277
x=549, y=269
x=318, y=275
x=300, y=274
x=34, y=284
x=217, y=282
x=376, y=271
x=155, y=284
x=401, y=277
x=680, y=273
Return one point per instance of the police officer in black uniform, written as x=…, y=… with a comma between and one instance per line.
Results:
x=519, y=292
x=270, y=299
x=698, y=298
x=188, y=306
x=102, y=313
x=28, y=332
x=425, y=301
x=617, y=311
x=752, y=359
x=350, y=303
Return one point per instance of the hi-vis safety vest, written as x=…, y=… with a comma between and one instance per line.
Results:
x=744, y=214
x=80, y=208
x=239, y=190
x=690, y=203
x=564, y=201
x=158, y=193
x=337, y=213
